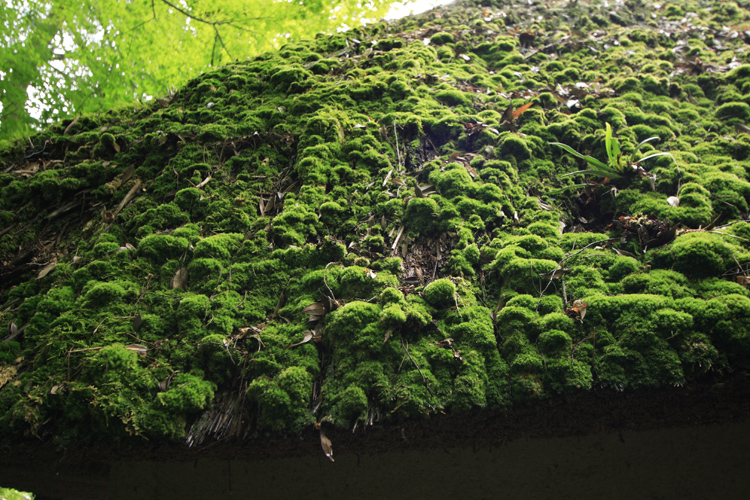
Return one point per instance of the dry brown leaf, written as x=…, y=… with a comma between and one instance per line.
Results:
x=423, y=191
x=307, y=338
x=139, y=348
x=7, y=373
x=128, y=197
x=578, y=309
x=179, y=280
x=12, y=331
x=46, y=269
x=203, y=182
x=325, y=443
x=316, y=311
x=137, y=322
x=515, y=114
x=72, y=124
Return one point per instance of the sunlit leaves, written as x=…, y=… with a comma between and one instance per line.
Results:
x=88, y=55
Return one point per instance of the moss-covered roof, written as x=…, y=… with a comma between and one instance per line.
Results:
x=359, y=229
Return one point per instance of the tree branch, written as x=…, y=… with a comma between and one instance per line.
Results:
x=205, y=21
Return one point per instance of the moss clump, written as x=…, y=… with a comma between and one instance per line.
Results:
x=440, y=293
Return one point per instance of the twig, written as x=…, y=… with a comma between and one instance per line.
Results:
x=398, y=153
x=560, y=268
x=406, y=348
x=333, y=297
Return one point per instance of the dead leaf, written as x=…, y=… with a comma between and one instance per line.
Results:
x=203, y=182
x=472, y=171
x=7, y=373
x=137, y=322
x=307, y=338
x=58, y=389
x=555, y=274
x=316, y=308
x=325, y=443
x=179, y=280
x=387, y=177
x=388, y=334
x=46, y=269
x=424, y=191
x=520, y=110
x=578, y=310
x=128, y=197
x=72, y=124
x=398, y=237
x=508, y=114
x=12, y=331
x=139, y=348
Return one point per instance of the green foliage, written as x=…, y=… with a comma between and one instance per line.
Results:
x=440, y=293
x=260, y=242
x=95, y=44
x=616, y=167
x=11, y=494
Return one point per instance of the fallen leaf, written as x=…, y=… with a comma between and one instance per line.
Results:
x=57, y=389
x=317, y=308
x=388, y=334
x=179, y=280
x=325, y=443
x=578, y=309
x=423, y=191
x=7, y=373
x=520, y=110
x=46, y=269
x=139, y=348
x=137, y=322
x=128, y=197
x=555, y=274
x=307, y=338
x=203, y=182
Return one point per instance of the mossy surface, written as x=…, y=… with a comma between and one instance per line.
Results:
x=356, y=230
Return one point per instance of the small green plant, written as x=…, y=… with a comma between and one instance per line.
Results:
x=616, y=167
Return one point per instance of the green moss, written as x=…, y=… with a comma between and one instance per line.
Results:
x=441, y=38
x=314, y=162
x=160, y=248
x=440, y=293
x=421, y=215
x=699, y=255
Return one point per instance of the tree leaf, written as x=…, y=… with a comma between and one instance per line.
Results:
x=46, y=269
x=179, y=280
x=308, y=336
x=515, y=114
x=325, y=443
x=139, y=348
